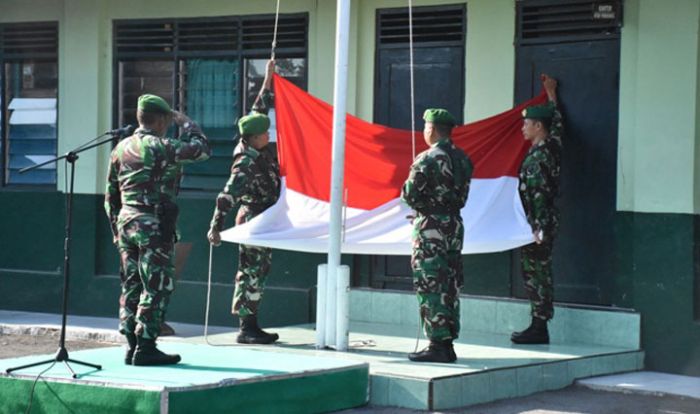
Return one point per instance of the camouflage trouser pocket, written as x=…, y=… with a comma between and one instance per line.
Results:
x=430, y=266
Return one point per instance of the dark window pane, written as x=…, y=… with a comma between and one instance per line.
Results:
x=139, y=77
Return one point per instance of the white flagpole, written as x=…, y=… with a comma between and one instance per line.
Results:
x=342, y=42
x=321, y=305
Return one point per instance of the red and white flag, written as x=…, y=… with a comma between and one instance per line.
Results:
x=377, y=161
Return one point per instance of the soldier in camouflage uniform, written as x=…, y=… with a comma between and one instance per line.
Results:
x=254, y=186
x=143, y=179
x=539, y=186
x=437, y=189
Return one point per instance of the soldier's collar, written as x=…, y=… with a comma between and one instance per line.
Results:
x=250, y=150
x=544, y=141
x=145, y=131
x=443, y=140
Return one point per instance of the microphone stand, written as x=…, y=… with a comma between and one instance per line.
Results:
x=70, y=157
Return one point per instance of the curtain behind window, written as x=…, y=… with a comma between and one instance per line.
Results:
x=211, y=99
x=212, y=92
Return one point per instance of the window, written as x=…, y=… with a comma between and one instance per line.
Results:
x=29, y=79
x=209, y=68
x=550, y=21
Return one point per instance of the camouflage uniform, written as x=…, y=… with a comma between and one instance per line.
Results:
x=254, y=186
x=539, y=186
x=437, y=189
x=143, y=179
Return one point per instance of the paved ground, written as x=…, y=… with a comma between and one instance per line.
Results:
x=16, y=345
x=572, y=400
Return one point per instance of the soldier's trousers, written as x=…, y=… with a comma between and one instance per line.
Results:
x=436, y=263
x=253, y=266
x=536, y=260
x=147, y=277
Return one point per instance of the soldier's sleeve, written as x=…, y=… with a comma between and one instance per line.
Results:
x=264, y=101
x=468, y=172
x=193, y=146
x=538, y=195
x=113, y=202
x=556, y=130
x=230, y=198
x=416, y=184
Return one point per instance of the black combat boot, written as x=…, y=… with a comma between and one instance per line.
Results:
x=131, y=347
x=437, y=351
x=536, y=333
x=147, y=354
x=251, y=333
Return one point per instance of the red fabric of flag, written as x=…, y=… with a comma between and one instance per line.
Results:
x=377, y=158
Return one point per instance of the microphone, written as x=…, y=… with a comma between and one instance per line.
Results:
x=121, y=132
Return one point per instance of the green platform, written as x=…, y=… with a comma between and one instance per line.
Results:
x=221, y=379
x=585, y=342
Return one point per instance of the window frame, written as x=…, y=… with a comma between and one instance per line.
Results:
x=7, y=57
x=177, y=56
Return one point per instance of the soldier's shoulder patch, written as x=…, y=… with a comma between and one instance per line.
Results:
x=251, y=153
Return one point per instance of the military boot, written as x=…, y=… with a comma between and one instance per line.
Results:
x=131, y=347
x=251, y=333
x=147, y=354
x=437, y=351
x=536, y=333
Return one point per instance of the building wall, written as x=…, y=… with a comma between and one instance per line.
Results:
x=658, y=107
x=35, y=218
x=657, y=195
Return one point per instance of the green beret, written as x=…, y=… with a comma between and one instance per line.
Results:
x=153, y=103
x=253, y=124
x=538, y=112
x=439, y=116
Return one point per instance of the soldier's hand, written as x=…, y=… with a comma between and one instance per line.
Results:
x=214, y=237
x=270, y=68
x=539, y=236
x=550, y=86
x=180, y=118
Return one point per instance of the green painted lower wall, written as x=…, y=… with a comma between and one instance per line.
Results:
x=655, y=272
x=31, y=263
x=658, y=277
x=488, y=274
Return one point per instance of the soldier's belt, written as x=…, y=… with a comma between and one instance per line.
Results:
x=155, y=210
x=258, y=207
x=439, y=210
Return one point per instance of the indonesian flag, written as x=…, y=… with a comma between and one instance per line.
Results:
x=377, y=162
